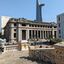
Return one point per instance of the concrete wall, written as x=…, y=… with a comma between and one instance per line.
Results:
x=60, y=25
x=54, y=55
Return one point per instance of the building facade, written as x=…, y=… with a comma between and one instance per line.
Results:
x=22, y=30
x=60, y=25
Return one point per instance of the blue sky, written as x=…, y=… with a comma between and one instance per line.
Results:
x=27, y=9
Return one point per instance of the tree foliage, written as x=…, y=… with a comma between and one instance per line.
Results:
x=54, y=41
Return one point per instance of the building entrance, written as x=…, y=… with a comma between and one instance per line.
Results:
x=23, y=34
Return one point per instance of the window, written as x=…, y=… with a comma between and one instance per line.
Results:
x=41, y=25
x=38, y=25
x=15, y=19
x=14, y=24
x=59, y=25
x=23, y=24
x=58, y=18
x=14, y=35
x=55, y=26
x=14, y=29
x=59, y=31
x=59, y=36
x=32, y=25
x=50, y=26
x=35, y=25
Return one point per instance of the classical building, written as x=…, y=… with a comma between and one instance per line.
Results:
x=22, y=30
x=60, y=25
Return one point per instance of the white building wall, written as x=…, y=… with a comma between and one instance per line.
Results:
x=19, y=33
x=60, y=21
x=4, y=20
x=0, y=24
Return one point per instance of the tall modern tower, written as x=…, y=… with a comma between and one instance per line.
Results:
x=39, y=11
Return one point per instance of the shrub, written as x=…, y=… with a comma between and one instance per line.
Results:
x=54, y=41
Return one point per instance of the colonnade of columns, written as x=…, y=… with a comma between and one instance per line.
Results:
x=40, y=34
x=35, y=34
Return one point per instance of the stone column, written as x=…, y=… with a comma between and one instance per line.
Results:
x=37, y=34
x=19, y=33
x=46, y=34
x=56, y=34
x=53, y=32
x=40, y=35
x=31, y=34
x=27, y=34
x=34, y=33
x=12, y=33
x=43, y=34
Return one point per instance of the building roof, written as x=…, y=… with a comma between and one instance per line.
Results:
x=23, y=20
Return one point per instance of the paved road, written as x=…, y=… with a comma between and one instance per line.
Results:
x=15, y=57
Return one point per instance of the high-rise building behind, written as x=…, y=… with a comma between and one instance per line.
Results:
x=39, y=11
x=60, y=25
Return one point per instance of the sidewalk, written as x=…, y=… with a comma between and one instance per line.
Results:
x=15, y=57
